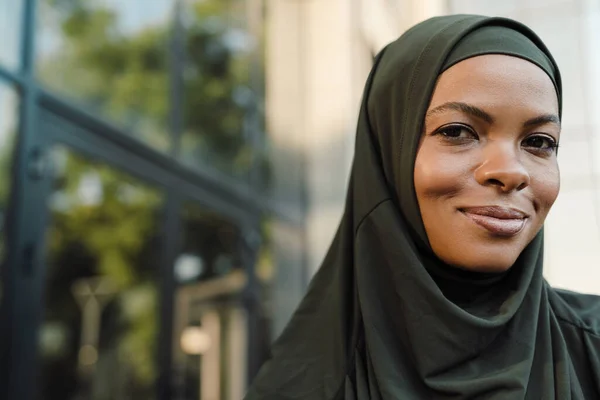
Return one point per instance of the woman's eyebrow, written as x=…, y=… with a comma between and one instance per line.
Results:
x=479, y=113
x=462, y=107
x=542, y=119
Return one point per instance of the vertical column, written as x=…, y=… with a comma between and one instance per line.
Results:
x=237, y=348
x=331, y=113
x=210, y=368
x=286, y=116
x=25, y=229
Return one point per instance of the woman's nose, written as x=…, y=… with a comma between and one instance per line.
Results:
x=501, y=167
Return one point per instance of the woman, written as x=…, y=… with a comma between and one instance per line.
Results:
x=433, y=286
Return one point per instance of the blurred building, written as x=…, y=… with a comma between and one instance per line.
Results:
x=133, y=191
x=172, y=173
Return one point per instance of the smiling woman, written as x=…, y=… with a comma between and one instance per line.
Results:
x=490, y=158
x=433, y=287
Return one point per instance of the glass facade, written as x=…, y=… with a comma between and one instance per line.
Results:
x=210, y=246
x=137, y=199
x=9, y=112
x=221, y=86
x=182, y=76
x=211, y=323
x=99, y=334
x=110, y=57
x=11, y=18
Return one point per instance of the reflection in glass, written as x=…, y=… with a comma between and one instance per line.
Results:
x=99, y=332
x=210, y=246
x=110, y=55
x=210, y=327
x=222, y=84
x=11, y=15
x=212, y=354
x=9, y=111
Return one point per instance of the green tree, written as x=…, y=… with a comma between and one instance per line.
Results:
x=126, y=76
x=104, y=223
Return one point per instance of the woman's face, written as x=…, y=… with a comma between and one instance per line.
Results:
x=486, y=173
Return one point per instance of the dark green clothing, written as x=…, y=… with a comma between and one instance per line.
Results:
x=383, y=318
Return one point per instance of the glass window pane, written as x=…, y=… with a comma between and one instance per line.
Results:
x=110, y=56
x=211, y=352
x=99, y=334
x=222, y=85
x=210, y=245
x=210, y=322
x=11, y=16
x=9, y=112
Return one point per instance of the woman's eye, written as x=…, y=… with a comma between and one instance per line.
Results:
x=540, y=142
x=457, y=132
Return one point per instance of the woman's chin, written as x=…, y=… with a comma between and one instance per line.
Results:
x=484, y=261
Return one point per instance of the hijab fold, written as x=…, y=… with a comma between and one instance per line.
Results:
x=383, y=317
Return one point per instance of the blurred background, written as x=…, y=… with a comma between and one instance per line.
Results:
x=172, y=173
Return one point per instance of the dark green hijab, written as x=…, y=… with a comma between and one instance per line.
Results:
x=383, y=317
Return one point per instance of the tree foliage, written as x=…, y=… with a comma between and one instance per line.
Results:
x=125, y=74
x=104, y=223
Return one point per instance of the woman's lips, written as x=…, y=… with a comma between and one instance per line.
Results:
x=499, y=221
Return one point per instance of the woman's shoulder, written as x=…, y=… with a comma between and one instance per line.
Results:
x=577, y=309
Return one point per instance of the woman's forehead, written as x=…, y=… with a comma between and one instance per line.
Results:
x=496, y=79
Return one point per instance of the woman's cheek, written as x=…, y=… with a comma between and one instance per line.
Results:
x=546, y=187
x=440, y=175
